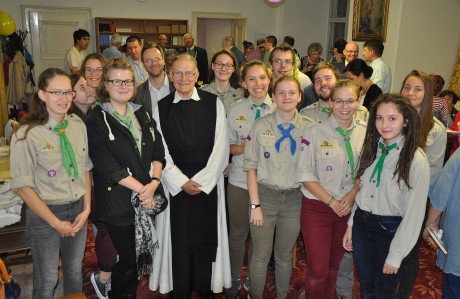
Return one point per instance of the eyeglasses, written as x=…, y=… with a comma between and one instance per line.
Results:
x=118, y=83
x=179, y=75
x=220, y=65
x=153, y=60
x=340, y=102
x=60, y=93
x=92, y=71
x=281, y=61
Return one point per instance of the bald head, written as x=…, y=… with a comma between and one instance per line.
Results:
x=351, y=51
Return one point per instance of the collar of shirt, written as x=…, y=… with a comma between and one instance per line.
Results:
x=376, y=61
x=51, y=123
x=332, y=122
x=194, y=96
x=165, y=84
x=323, y=104
x=399, y=142
x=267, y=100
x=191, y=48
x=130, y=108
x=295, y=120
x=130, y=59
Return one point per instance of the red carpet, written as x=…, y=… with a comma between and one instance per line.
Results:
x=428, y=284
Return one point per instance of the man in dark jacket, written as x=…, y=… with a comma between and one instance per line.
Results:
x=200, y=55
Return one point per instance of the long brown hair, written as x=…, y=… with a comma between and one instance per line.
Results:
x=38, y=115
x=426, y=109
x=411, y=132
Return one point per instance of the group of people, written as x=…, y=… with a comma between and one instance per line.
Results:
x=335, y=157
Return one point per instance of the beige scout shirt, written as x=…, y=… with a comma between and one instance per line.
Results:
x=37, y=161
x=240, y=119
x=324, y=157
x=315, y=112
x=277, y=170
x=231, y=95
x=389, y=199
x=436, y=147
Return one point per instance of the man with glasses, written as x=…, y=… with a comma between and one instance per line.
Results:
x=158, y=85
x=282, y=61
x=351, y=52
x=194, y=130
x=75, y=55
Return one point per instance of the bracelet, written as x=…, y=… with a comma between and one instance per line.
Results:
x=156, y=179
x=330, y=201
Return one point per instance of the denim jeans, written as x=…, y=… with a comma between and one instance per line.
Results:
x=372, y=235
x=281, y=211
x=46, y=244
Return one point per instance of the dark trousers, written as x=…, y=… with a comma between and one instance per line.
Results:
x=372, y=235
x=124, y=273
x=105, y=251
x=450, y=286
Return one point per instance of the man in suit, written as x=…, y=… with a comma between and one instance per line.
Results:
x=200, y=55
x=158, y=85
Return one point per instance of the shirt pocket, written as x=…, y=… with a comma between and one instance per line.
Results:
x=328, y=164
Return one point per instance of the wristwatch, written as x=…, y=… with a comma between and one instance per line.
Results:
x=254, y=206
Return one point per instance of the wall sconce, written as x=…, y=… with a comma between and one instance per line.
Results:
x=274, y=3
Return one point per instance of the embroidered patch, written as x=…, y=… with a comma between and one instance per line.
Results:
x=329, y=168
x=304, y=141
x=52, y=173
x=267, y=133
x=241, y=119
x=48, y=147
x=248, y=138
x=267, y=155
x=326, y=144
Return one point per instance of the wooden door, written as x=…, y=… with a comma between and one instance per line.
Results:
x=50, y=33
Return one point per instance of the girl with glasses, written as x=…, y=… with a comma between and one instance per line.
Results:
x=224, y=78
x=326, y=168
x=52, y=174
x=129, y=157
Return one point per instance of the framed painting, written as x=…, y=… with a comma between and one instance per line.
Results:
x=370, y=19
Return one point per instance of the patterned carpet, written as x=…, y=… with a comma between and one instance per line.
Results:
x=428, y=283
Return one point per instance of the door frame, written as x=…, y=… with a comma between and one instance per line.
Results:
x=215, y=15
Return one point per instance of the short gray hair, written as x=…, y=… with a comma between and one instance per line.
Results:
x=315, y=47
x=115, y=39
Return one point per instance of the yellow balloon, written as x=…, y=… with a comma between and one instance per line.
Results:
x=7, y=24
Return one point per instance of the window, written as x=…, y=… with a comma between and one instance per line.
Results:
x=338, y=24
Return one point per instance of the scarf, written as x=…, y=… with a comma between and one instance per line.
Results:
x=258, y=108
x=146, y=236
x=128, y=122
x=346, y=138
x=379, y=166
x=68, y=155
x=286, y=133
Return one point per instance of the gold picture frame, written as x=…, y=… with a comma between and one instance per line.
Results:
x=370, y=19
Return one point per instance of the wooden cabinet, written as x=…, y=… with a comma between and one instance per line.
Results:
x=147, y=29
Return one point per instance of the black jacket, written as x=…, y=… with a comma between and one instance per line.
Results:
x=115, y=156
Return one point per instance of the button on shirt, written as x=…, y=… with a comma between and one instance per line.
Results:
x=389, y=199
x=240, y=119
x=275, y=169
x=38, y=162
x=315, y=112
x=324, y=159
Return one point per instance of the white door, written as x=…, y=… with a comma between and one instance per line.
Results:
x=239, y=32
x=50, y=33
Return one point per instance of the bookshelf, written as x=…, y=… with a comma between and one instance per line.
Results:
x=147, y=29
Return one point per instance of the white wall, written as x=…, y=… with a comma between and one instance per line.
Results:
x=421, y=34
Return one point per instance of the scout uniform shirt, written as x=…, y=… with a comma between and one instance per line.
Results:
x=240, y=119
x=391, y=199
x=275, y=169
x=324, y=157
x=436, y=147
x=38, y=162
x=228, y=97
x=316, y=111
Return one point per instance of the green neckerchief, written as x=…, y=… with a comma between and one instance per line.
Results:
x=258, y=108
x=128, y=122
x=346, y=137
x=327, y=110
x=68, y=155
x=379, y=166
